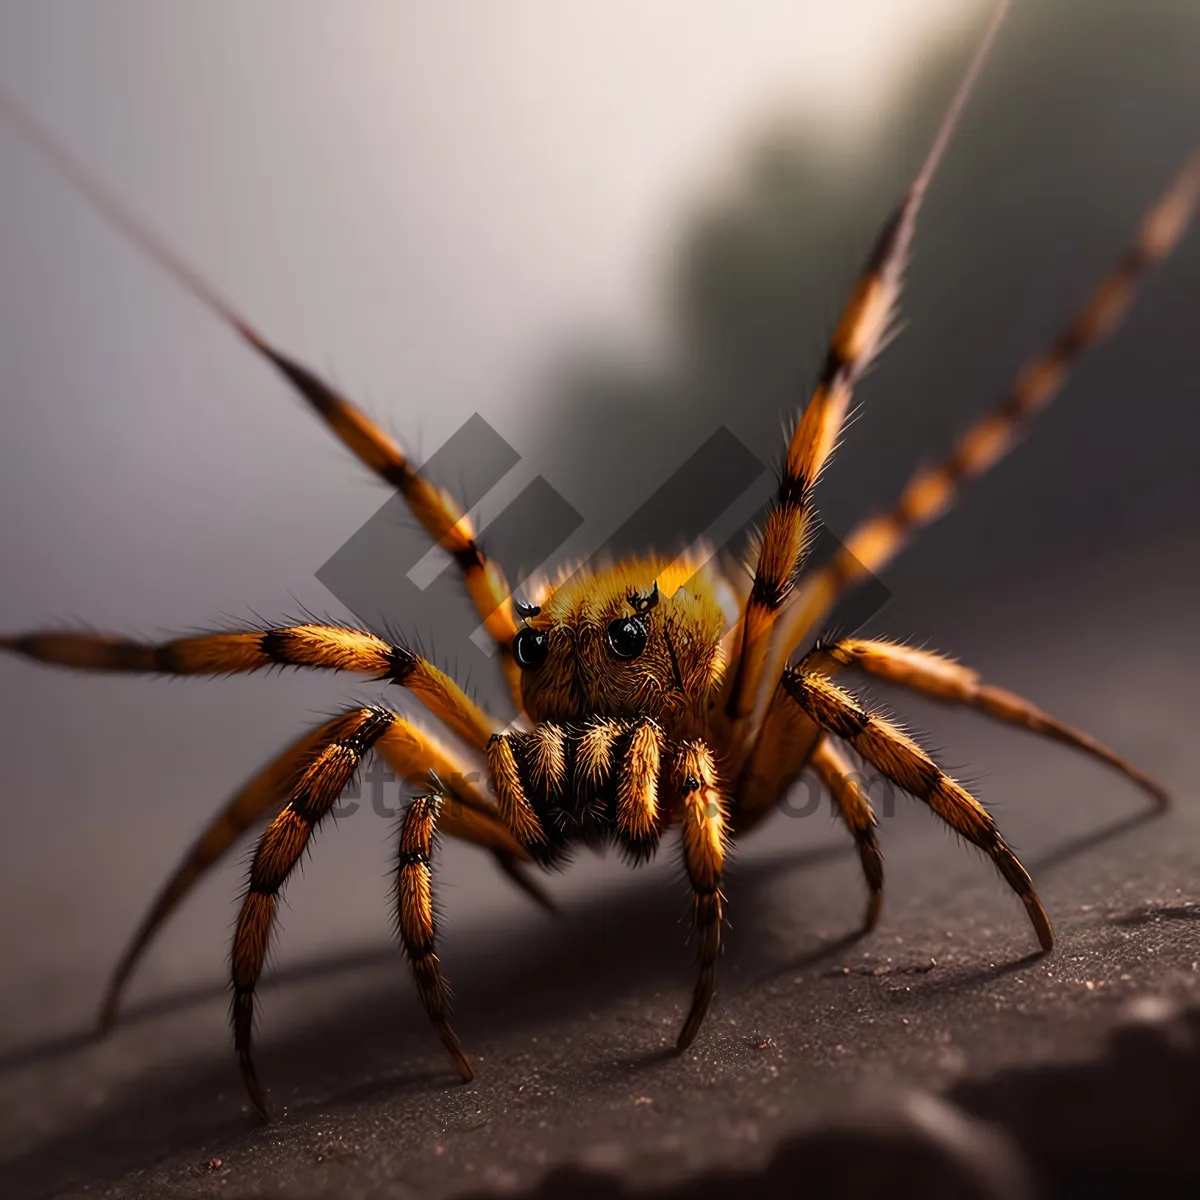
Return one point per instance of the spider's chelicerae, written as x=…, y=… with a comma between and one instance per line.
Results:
x=654, y=694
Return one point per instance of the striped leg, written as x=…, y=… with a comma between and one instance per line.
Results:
x=703, y=831
x=950, y=682
x=908, y=766
x=266, y=791
x=875, y=542
x=435, y=508
x=279, y=850
x=328, y=647
x=860, y=334
x=415, y=920
x=837, y=774
x=411, y=753
x=472, y=819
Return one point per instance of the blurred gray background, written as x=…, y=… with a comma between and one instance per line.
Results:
x=608, y=228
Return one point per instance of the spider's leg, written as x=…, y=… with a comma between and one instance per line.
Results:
x=950, y=682
x=434, y=507
x=410, y=752
x=876, y=541
x=280, y=848
x=415, y=921
x=909, y=767
x=327, y=647
x=789, y=740
x=472, y=820
x=702, y=823
x=785, y=743
x=837, y=773
x=860, y=333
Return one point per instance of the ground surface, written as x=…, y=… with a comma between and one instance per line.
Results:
x=568, y=1019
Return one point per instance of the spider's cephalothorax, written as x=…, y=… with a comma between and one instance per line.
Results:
x=641, y=639
x=639, y=713
x=619, y=670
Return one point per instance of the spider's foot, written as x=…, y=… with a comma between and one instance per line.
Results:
x=874, y=908
x=454, y=1047
x=1162, y=798
x=253, y=1088
x=695, y=1017
x=1040, y=921
x=106, y=1018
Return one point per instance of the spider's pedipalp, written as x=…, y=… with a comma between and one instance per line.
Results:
x=599, y=782
x=908, y=766
x=860, y=333
x=516, y=810
x=637, y=789
x=950, y=682
x=854, y=806
x=415, y=921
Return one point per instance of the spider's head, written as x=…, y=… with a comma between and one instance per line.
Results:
x=642, y=638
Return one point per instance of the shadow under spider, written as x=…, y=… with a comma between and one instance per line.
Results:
x=379, y=1041
x=1094, y=839
x=755, y=876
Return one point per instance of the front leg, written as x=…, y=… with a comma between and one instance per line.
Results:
x=885, y=747
x=415, y=919
x=702, y=822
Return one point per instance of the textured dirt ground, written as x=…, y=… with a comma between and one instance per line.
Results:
x=568, y=1019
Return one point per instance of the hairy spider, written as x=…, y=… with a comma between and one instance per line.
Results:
x=653, y=693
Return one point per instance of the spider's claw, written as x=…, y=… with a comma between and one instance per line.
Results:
x=695, y=1018
x=253, y=1088
x=107, y=1016
x=454, y=1047
x=1040, y=921
x=1160, y=795
x=874, y=908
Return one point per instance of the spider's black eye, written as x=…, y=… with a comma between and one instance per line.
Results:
x=627, y=637
x=530, y=648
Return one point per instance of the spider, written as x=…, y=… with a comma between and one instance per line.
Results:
x=654, y=693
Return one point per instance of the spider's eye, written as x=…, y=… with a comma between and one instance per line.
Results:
x=627, y=637
x=530, y=648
